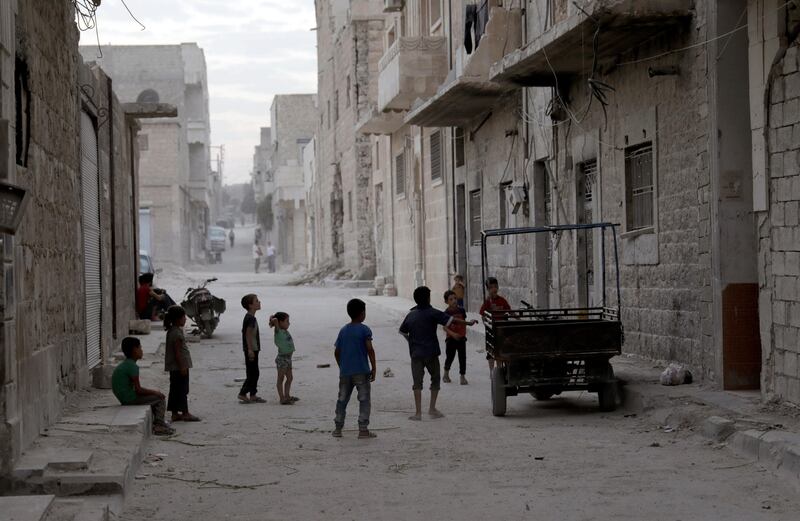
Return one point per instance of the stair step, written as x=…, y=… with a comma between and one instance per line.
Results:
x=25, y=508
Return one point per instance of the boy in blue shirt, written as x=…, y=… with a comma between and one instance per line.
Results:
x=354, y=356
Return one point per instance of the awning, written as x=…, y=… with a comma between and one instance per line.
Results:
x=458, y=103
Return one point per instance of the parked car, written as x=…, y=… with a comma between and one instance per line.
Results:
x=146, y=262
x=217, y=239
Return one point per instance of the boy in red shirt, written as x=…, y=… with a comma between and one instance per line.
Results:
x=150, y=301
x=456, y=338
x=496, y=305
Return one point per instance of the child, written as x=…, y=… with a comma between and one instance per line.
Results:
x=178, y=361
x=149, y=301
x=257, y=254
x=495, y=304
x=459, y=289
x=456, y=339
x=283, y=362
x=354, y=356
x=126, y=387
x=419, y=328
x=251, y=345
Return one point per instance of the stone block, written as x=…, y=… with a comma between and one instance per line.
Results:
x=784, y=139
x=718, y=429
x=791, y=111
x=26, y=508
x=139, y=327
x=38, y=460
x=792, y=86
x=791, y=213
x=101, y=376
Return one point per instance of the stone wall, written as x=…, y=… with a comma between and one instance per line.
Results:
x=779, y=248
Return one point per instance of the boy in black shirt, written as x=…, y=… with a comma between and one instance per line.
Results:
x=251, y=345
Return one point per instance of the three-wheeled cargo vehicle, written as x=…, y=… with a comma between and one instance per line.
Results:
x=544, y=351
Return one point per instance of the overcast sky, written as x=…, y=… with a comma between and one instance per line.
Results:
x=254, y=49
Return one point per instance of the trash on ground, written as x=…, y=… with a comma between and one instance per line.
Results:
x=676, y=374
x=387, y=373
x=323, y=366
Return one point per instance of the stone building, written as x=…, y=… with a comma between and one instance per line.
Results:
x=349, y=44
x=293, y=118
x=501, y=113
x=177, y=185
x=262, y=165
x=69, y=272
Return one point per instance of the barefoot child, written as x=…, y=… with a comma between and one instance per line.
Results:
x=178, y=361
x=283, y=362
x=456, y=339
x=419, y=328
x=251, y=344
x=126, y=387
x=497, y=305
x=354, y=356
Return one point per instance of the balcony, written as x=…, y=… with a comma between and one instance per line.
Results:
x=412, y=69
x=467, y=92
x=376, y=122
x=197, y=131
x=565, y=50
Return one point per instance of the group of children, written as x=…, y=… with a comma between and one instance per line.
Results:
x=353, y=352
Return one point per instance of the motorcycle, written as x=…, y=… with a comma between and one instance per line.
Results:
x=203, y=308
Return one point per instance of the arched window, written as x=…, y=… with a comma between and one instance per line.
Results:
x=148, y=96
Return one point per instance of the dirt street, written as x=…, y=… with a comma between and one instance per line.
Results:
x=561, y=459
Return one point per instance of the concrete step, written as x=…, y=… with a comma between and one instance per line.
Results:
x=25, y=508
x=101, y=508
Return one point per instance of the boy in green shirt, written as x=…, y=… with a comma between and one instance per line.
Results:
x=126, y=387
x=283, y=362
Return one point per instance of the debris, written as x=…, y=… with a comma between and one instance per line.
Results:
x=323, y=366
x=539, y=458
x=632, y=415
x=213, y=483
x=676, y=374
x=239, y=379
x=387, y=373
x=655, y=444
x=669, y=428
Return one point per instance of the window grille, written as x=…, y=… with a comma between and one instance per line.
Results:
x=639, y=187
x=400, y=174
x=475, y=223
x=436, y=155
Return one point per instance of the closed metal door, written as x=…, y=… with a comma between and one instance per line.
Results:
x=90, y=184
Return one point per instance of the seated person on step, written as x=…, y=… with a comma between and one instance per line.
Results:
x=151, y=302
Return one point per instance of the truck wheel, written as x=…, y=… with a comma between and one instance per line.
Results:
x=607, y=396
x=498, y=392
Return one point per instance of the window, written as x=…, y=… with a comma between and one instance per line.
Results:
x=336, y=106
x=148, y=96
x=400, y=174
x=639, y=192
x=586, y=185
x=301, y=145
x=459, y=138
x=377, y=156
x=347, y=100
x=144, y=142
x=475, y=223
x=350, y=206
x=22, y=98
x=436, y=155
x=507, y=219
x=434, y=13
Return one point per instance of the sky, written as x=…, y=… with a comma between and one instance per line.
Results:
x=254, y=49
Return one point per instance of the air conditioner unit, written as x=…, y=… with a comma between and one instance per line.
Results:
x=393, y=6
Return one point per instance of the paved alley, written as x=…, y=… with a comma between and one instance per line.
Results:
x=561, y=459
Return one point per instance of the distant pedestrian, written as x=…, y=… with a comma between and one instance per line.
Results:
x=128, y=390
x=356, y=360
x=497, y=307
x=257, y=254
x=231, y=236
x=459, y=289
x=251, y=345
x=455, y=340
x=419, y=328
x=283, y=362
x=271, y=257
x=178, y=361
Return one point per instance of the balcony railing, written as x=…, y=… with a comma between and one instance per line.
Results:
x=412, y=69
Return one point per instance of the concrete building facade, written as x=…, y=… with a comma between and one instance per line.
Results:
x=294, y=122
x=178, y=188
x=349, y=44
x=262, y=165
x=69, y=272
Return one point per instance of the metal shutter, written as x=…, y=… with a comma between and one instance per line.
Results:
x=90, y=184
x=436, y=155
x=400, y=173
